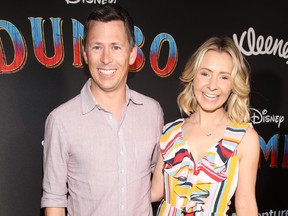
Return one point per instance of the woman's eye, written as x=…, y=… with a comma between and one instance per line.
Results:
x=224, y=77
x=204, y=73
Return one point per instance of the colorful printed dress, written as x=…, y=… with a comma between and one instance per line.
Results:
x=204, y=187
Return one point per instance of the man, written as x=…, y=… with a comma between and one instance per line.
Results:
x=101, y=146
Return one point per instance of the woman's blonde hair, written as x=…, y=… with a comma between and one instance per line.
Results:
x=237, y=105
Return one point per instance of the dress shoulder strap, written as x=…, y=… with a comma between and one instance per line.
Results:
x=233, y=135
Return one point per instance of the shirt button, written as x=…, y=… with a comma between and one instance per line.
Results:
x=121, y=152
x=122, y=189
x=122, y=206
x=122, y=170
x=110, y=117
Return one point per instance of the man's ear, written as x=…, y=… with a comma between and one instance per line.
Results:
x=84, y=54
x=133, y=55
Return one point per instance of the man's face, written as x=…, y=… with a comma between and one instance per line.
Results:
x=108, y=55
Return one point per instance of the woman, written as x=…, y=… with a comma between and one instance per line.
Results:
x=213, y=152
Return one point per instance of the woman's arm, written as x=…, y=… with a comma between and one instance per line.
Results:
x=249, y=153
x=157, y=189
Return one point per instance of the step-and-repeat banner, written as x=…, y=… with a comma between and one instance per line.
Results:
x=41, y=67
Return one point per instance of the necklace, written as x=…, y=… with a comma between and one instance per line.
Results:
x=209, y=134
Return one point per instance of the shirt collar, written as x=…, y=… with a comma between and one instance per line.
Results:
x=89, y=102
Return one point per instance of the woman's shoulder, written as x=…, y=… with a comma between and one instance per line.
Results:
x=171, y=138
x=251, y=134
x=251, y=140
x=174, y=124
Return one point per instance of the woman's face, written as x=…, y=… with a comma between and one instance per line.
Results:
x=212, y=84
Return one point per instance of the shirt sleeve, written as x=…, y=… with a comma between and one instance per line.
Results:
x=55, y=159
x=160, y=123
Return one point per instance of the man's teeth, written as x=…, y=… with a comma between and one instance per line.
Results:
x=106, y=72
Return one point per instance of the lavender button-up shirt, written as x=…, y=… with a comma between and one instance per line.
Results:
x=95, y=165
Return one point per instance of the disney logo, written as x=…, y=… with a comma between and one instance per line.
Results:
x=91, y=1
x=257, y=117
